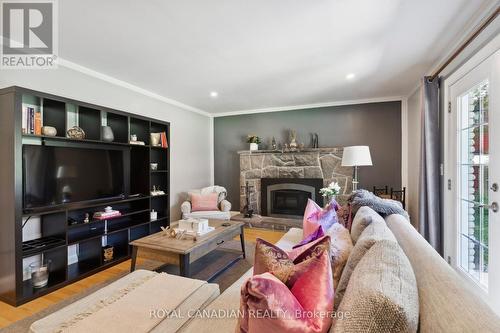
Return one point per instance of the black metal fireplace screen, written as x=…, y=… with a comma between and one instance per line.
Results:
x=284, y=197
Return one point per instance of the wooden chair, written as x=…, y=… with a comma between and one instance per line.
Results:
x=399, y=195
x=380, y=191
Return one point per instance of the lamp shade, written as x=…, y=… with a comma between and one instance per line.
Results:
x=356, y=156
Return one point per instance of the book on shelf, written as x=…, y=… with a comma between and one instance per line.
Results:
x=31, y=121
x=38, y=123
x=164, y=142
x=139, y=143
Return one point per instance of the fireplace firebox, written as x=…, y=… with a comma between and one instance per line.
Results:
x=287, y=197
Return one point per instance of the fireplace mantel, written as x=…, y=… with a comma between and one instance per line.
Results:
x=321, y=163
x=301, y=151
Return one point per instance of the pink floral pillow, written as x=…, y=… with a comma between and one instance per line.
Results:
x=204, y=202
x=315, y=216
x=295, y=290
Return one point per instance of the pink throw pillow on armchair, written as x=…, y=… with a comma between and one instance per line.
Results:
x=204, y=202
x=296, y=292
x=315, y=216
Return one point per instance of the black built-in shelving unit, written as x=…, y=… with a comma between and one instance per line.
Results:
x=57, y=234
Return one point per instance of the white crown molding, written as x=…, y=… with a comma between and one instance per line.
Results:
x=311, y=106
x=129, y=86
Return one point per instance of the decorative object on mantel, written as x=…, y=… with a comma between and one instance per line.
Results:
x=293, y=140
x=315, y=140
x=107, y=134
x=254, y=142
x=76, y=132
x=156, y=191
x=49, y=131
x=330, y=191
x=356, y=156
x=247, y=212
x=274, y=146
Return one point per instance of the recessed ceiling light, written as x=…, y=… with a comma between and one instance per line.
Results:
x=214, y=94
x=350, y=76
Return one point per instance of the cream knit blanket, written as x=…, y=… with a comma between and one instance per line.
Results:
x=130, y=309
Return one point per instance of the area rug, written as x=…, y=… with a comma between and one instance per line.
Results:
x=224, y=280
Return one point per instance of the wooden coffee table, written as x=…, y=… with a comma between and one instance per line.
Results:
x=184, y=252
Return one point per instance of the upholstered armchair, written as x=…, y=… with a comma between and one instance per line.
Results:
x=224, y=206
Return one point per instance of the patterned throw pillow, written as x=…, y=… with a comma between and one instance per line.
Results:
x=315, y=216
x=312, y=237
x=289, y=292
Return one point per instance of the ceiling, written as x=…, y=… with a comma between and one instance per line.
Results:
x=263, y=54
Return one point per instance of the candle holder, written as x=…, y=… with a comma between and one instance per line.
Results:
x=40, y=273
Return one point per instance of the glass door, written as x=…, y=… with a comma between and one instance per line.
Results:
x=475, y=159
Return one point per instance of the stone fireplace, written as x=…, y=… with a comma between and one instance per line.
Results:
x=322, y=166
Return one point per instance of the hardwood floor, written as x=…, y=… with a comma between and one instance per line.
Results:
x=10, y=314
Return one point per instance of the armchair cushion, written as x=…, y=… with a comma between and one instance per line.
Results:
x=186, y=207
x=225, y=206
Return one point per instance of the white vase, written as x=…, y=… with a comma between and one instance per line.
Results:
x=254, y=146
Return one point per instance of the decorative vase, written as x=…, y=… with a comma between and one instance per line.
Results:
x=107, y=134
x=49, y=131
x=155, y=139
x=254, y=146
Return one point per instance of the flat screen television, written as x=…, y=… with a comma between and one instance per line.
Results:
x=55, y=175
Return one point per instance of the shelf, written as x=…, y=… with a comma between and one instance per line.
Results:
x=159, y=196
x=94, y=221
x=59, y=138
x=76, y=206
x=159, y=171
x=55, y=279
x=37, y=246
x=82, y=267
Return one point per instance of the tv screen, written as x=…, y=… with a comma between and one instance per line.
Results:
x=60, y=175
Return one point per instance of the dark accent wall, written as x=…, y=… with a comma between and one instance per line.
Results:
x=377, y=125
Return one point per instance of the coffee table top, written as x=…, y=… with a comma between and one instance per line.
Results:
x=161, y=241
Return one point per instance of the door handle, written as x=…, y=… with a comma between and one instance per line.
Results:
x=494, y=187
x=494, y=206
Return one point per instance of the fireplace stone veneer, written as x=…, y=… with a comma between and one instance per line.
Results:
x=321, y=163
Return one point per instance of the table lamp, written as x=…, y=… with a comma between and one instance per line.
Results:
x=356, y=156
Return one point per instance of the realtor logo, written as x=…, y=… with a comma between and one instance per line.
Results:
x=29, y=38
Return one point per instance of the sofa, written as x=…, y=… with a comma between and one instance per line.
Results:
x=442, y=302
x=223, y=213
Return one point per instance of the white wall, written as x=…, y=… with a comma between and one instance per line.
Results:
x=414, y=135
x=190, y=137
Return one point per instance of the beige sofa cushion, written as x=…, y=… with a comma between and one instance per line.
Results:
x=340, y=249
x=376, y=231
x=362, y=219
x=447, y=301
x=382, y=294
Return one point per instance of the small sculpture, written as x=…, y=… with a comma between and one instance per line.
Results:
x=315, y=140
x=87, y=218
x=293, y=139
x=273, y=143
x=49, y=131
x=76, y=132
